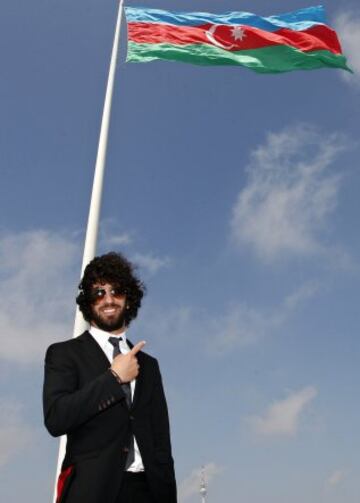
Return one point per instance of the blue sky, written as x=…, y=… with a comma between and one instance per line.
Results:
x=237, y=196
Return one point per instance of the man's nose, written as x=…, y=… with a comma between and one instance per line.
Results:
x=108, y=298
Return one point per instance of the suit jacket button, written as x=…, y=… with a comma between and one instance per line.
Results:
x=125, y=449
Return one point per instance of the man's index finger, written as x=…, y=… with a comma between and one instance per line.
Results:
x=138, y=347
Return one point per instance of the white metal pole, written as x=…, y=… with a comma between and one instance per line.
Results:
x=95, y=203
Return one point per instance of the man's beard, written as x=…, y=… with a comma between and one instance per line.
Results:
x=109, y=325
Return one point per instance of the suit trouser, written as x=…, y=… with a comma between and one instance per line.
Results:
x=134, y=489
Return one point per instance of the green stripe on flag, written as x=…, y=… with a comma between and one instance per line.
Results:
x=273, y=59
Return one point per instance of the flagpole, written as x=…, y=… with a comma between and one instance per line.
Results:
x=95, y=203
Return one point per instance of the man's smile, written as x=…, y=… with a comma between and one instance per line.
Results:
x=109, y=310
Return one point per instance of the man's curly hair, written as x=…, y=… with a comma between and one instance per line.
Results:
x=115, y=269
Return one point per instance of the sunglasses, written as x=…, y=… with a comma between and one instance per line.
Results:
x=99, y=293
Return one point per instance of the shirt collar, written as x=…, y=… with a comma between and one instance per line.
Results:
x=102, y=337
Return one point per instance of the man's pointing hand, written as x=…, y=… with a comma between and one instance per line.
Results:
x=126, y=366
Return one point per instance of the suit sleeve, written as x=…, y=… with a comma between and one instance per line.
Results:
x=66, y=406
x=160, y=417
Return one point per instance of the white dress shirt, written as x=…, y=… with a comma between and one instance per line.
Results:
x=102, y=338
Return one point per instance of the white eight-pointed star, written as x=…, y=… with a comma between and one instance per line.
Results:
x=238, y=33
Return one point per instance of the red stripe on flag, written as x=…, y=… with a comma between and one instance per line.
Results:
x=315, y=38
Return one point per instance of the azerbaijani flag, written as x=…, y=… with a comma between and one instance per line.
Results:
x=299, y=40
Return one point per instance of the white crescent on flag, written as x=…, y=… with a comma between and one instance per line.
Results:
x=211, y=36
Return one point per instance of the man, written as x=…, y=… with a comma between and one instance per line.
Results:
x=107, y=396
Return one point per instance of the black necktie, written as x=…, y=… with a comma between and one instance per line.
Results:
x=126, y=386
x=127, y=391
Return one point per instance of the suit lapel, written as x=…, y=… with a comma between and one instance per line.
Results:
x=93, y=352
x=140, y=377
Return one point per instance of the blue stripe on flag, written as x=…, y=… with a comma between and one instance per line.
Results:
x=298, y=20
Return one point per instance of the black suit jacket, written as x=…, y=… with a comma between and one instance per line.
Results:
x=83, y=400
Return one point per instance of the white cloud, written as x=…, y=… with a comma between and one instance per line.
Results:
x=347, y=24
x=303, y=293
x=289, y=195
x=151, y=263
x=241, y=325
x=282, y=417
x=191, y=485
x=118, y=239
x=111, y=236
x=37, y=292
x=15, y=435
x=335, y=478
